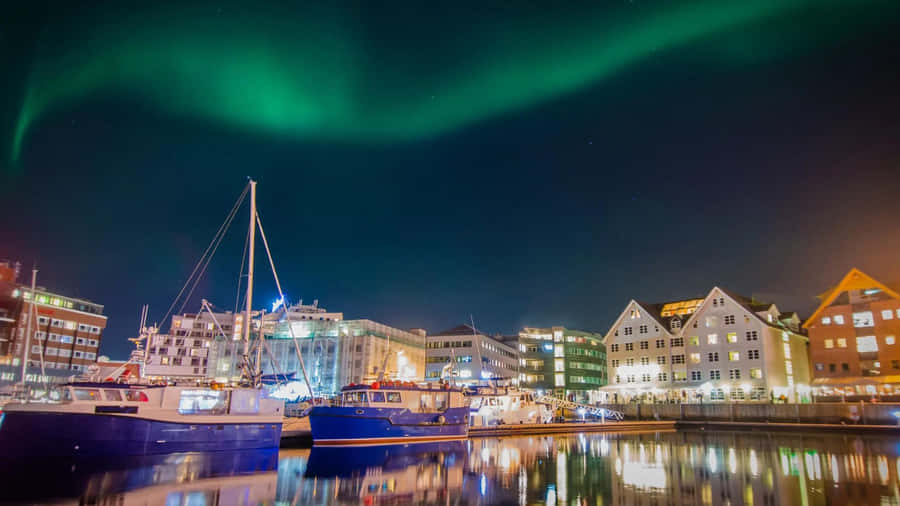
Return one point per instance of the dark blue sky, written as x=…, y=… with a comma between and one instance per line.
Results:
x=769, y=177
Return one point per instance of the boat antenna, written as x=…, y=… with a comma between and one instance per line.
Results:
x=245, y=355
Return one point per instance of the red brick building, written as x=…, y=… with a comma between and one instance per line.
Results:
x=853, y=338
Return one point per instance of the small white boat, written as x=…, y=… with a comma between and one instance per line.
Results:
x=506, y=406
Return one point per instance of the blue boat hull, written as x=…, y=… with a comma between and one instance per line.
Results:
x=76, y=434
x=380, y=426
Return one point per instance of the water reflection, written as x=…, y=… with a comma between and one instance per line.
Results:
x=640, y=469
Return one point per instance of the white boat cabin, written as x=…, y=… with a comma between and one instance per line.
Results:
x=417, y=399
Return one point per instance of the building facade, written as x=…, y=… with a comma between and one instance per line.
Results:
x=479, y=357
x=853, y=335
x=186, y=351
x=564, y=362
x=723, y=347
x=66, y=333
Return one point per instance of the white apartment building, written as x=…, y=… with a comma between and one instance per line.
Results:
x=479, y=357
x=723, y=347
x=184, y=353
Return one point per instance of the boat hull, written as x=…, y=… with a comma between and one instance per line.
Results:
x=381, y=426
x=82, y=434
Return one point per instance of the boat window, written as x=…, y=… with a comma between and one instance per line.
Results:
x=112, y=395
x=67, y=394
x=425, y=403
x=355, y=398
x=377, y=396
x=476, y=403
x=135, y=396
x=205, y=402
x=440, y=402
x=87, y=394
x=394, y=397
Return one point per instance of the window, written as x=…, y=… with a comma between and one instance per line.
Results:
x=629, y=346
x=635, y=314
x=696, y=375
x=560, y=379
x=895, y=364
x=629, y=361
x=677, y=359
x=713, y=356
x=829, y=344
x=839, y=319
x=695, y=358
x=65, y=353
x=842, y=342
x=729, y=319
x=732, y=337
x=112, y=395
x=826, y=320
x=628, y=331
x=734, y=374
x=733, y=356
x=715, y=374
x=645, y=360
x=614, y=348
x=87, y=394
x=80, y=341
x=679, y=376
x=863, y=319
x=614, y=363
x=675, y=324
x=78, y=354
x=756, y=373
x=712, y=339
x=65, y=339
x=35, y=348
x=712, y=321
x=866, y=344
x=661, y=360
x=694, y=341
x=830, y=367
x=887, y=314
x=753, y=354
x=645, y=345
x=845, y=366
x=889, y=340
x=752, y=335
x=645, y=377
x=660, y=343
x=642, y=329
x=393, y=397
x=662, y=377
x=676, y=342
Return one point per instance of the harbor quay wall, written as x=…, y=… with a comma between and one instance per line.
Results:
x=824, y=413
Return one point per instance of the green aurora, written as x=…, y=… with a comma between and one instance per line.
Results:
x=336, y=75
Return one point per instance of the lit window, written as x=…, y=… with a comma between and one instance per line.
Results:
x=826, y=320
x=839, y=319
x=842, y=342
x=787, y=350
x=734, y=356
x=712, y=321
x=866, y=344
x=889, y=340
x=732, y=337
x=694, y=341
x=863, y=319
x=560, y=379
x=887, y=314
x=788, y=367
x=756, y=373
x=829, y=343
x=712, y=339
x=695, y=358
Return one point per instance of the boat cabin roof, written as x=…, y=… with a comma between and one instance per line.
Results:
x=402, y=385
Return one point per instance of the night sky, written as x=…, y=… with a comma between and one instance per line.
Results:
x=422, y=162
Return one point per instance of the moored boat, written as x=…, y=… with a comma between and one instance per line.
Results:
x=492, y=405
x=390, y=413
x=91, y=419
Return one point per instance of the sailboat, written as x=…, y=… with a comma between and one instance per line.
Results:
x=105, y=418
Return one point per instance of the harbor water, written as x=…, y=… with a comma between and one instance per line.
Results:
x=688, y=467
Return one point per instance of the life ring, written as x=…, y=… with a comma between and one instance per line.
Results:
x=441, y=420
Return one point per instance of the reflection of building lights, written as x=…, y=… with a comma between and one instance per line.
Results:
x=483, y=485
x=732, y=461
x=712, y=461
x=835, y=472
x=604, y=447
x=754, y=463
x=551, y=495
x=643, y=476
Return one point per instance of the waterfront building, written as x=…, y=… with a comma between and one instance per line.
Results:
x=723, y=347
x=66, y=331
x=185, y=352
x=562, y=362
x=336, y=352
x=479, y=356
x=853, y=335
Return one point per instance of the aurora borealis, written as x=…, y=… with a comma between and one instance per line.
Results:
x=530, y=164
x=349, y=75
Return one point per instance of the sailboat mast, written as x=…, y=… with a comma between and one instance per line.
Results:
x=31, y=311
x=250, y=252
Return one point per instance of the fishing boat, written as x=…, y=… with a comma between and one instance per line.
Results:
x=133, y=419
x=391, y=412
x=493, y=405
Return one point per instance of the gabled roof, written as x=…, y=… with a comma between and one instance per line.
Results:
x=853, y=280
x=751, y=306
x=459, y=330
x=653, y=310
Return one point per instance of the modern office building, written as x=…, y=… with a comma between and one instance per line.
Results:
x=721, y=347
x=853, y=338
x=66, y=331
x=479, y=356
x=563, y=362
x=186, y=351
